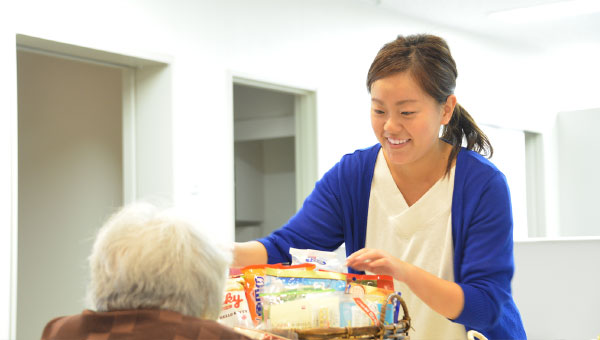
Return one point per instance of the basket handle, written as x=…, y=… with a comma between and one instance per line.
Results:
x=389, y=299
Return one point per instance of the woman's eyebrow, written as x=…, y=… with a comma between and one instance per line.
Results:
x=400, y=102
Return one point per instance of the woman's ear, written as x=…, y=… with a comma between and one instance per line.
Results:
x=448, y=109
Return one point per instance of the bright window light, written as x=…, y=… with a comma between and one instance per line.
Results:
x=548, y=11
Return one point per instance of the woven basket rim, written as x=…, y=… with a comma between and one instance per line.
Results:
x=402, y=326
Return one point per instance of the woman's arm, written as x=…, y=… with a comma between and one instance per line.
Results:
x=445, y=297
x=248, y=253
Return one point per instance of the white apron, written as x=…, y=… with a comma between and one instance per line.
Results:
x=421, y=235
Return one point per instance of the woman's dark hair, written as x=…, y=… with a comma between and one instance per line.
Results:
x=428, y=59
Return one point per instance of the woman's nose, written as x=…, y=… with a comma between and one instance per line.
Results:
x=392, y=124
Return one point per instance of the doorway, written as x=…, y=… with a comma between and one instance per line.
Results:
x=86, y=125
x=275, y=154
x=70, y=179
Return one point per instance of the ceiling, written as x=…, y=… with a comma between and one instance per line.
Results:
x=473, y=16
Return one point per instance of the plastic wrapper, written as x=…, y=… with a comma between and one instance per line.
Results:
x=301, y=299
x=362, y=305
x=235, y=311
x=326, y=260
x=302, y=309
x=279, y=280
x=254, y=280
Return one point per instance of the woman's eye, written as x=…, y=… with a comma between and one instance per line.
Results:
x=407, y=113
x=379, y=112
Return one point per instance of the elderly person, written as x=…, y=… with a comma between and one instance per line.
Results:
x=152, y=277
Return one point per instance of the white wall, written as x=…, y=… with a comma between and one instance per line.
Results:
x=153, y=135
x=70, y=180
x=565, y=78
x=293, y=42
x=322, y=45
x=556, y=288
x=509, y=157
x=579, y=185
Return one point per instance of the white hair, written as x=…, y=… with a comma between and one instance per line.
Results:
x=147, y=258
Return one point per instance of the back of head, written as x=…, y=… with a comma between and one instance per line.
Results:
x=428, y=60
x=147, y=258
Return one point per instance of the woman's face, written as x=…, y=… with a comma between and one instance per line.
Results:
x=405, y=119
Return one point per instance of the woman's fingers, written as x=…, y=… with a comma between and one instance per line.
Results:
x=372, y=260
x=362, y=258
x=357, y=253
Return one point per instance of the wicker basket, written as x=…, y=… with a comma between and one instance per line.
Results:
x=395, y=331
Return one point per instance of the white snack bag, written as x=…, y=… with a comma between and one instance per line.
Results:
x=235, y=312
x=327, y=260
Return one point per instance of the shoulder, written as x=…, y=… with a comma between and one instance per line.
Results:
x=473, y=167
x=362, y=154
x=471, y=160
x=359, y=159
x=61, y=327
x=475, y=176
x=353, y=167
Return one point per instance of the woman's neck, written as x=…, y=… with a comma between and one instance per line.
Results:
x=415, y=179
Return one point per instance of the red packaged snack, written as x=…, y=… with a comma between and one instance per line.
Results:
x=380, y=281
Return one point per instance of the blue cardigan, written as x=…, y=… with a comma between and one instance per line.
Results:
x=336, y=212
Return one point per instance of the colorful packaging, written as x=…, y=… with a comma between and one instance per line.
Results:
x=279, y=280
x=360, y=313
x=362, y=305
x=301, y=299
x=301, y=309
x=254, y=277
x=235, y=310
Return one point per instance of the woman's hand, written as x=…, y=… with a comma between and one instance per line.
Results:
x=445, y=297
x=379, y=262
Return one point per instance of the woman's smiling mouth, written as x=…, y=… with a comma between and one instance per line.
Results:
x=397, y=141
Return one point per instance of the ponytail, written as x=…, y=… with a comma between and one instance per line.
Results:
x=461, y=128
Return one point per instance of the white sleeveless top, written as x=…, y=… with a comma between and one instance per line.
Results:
x=420, y=234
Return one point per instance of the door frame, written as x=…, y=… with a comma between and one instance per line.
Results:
x=305, y=126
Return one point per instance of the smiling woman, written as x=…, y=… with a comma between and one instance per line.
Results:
x=423, y=209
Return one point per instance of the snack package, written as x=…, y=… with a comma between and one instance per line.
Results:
x=362, y=305
x=254, y=280
x=360, y=313
x=279, y=280
x=327, y=260
x=301, y=309
x=301, y=299
x=235, y=310
x=381, y=281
